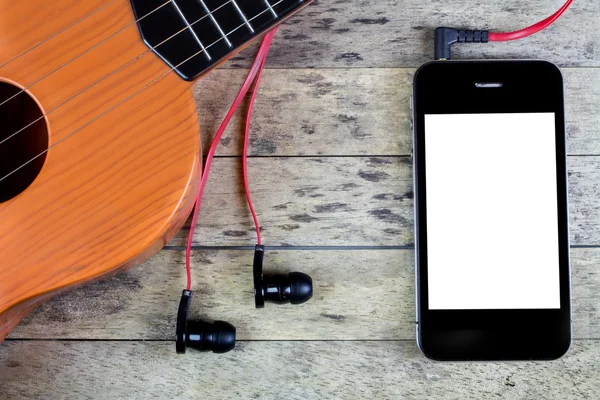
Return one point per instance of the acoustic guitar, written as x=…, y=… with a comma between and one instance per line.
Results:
x=99, y=137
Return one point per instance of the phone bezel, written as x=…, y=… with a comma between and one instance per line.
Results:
x=447, y=87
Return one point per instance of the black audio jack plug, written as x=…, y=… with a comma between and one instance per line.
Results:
x=446, y=37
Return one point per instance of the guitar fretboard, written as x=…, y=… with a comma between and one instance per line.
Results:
x=205, y=31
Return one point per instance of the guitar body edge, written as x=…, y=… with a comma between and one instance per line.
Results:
x=10, y=318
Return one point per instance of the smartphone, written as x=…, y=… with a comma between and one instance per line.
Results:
x=491, y=223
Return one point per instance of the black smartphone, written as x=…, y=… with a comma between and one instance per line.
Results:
x=491, y=223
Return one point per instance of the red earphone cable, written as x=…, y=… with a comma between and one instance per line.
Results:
x=256, y=69
x=530, y=30
x=246, y=140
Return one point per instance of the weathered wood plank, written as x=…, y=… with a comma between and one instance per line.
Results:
x=390, y=33
x=345, y=201
x=309, y=201
x=313, y=112
x=294, y=370
x=582, y=97
x=584, y=192
x=354, y=111
x=359, y=295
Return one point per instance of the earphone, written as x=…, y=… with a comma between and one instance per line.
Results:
x=294, y=288
x=219, y=336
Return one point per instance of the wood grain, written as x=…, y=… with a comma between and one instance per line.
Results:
x=388, y=33
x=354, y=112
x=309, y=201
x=294, y=370
x=32, y=31
x=359, y=295
x=346, y=201
x=308, y=112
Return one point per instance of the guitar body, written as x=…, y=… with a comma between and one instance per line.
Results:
x=120, y=174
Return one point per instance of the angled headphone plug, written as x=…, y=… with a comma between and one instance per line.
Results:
x=446, y=37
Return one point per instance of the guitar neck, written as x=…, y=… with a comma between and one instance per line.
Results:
x=193, y=36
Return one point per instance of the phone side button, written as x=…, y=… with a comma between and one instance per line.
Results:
x=417, y=331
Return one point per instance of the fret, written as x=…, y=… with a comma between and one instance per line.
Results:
x=206, y=53
x=210, y=30
x=258, y=11
x=212, y=17
x=203, y=26
x=229, y=20
x=271, y=8
x=242, y=15
x=168, y=36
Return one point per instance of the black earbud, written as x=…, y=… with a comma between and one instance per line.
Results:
x=295, y=287
x=218, y=337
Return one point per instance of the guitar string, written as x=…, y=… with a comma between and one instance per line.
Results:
x=104, y=77
x=80, y=55
x=56, y=34
x=96, y=46
x=134, y=94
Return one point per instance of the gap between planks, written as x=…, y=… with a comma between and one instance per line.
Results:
x=324, y=248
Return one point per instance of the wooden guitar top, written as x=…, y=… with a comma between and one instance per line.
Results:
x=118, y=183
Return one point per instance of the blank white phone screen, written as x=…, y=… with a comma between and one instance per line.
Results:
x=492, y=213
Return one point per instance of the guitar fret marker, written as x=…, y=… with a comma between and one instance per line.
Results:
x=212, y=17
x=191, y=30
x=271, y=8
x=239, y=10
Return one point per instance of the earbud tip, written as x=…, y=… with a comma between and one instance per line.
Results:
x=301, y=287
x=224, y=337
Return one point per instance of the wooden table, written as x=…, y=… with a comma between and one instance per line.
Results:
x=331, y=177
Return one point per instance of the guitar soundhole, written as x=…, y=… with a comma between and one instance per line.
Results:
x=23, y=137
